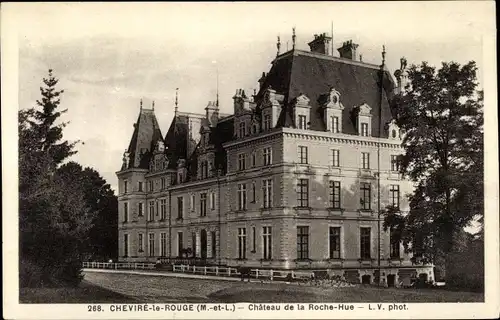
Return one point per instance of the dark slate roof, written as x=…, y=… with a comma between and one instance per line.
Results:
x=146, y=133
x=176, y=140
x=299, y=72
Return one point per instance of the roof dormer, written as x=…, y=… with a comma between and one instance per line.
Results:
x=332, y=113
x=364, y=120
x=301, y=112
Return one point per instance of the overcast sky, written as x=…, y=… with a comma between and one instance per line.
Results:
x=109, y=56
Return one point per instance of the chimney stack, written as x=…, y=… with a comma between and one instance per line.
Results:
x=320, y=44
x=348, y=50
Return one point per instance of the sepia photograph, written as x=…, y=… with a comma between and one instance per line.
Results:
x=250, y=160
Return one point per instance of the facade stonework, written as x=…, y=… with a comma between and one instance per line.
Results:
x=294, y=179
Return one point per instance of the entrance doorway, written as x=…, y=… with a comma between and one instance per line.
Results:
x=391, y=280
x=203, y=241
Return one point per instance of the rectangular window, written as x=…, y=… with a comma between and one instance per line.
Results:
x=394, y=195
x=395, y=163
x=242, y=196
x=267, y=192
x=180, y=243
x=335, y=194
x=212, y=201
x=125, y=186
x=242, y=128
x=241, y=161
x=125, y=212
x=365, y=160
x=302, y=243
x=253, y=192
x=151, y=210
x=334, y=158
x=242, y=243
x=302, y=122
x=254, y=159
x=141, y=242
x=150, y=186
x=180, y=207
x=193, y=241
x=267, y=156
x=125, y=245
x=365, y=241
x=163, y=209
x=267, y=122
x=303, y=154
x=140, y=186
x=254, y=236
x=203, y=204
x=303, y=193
x=163, y=244
x=267, y=243
x=151, y=244
x=192, y=202
x=180, y=177
x=334, y=242
x=214, y=244
x=335, y=124
x=364, y=129
x=141, y=209
x=163, y=183
x=395, y=245
x=366, y=199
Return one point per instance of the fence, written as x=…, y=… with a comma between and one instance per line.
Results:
x=119, y=265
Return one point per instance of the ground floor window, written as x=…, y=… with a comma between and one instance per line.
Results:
x=267, y=243
x=334, y=242
x=394, y=245
x=242, y=243
x=163, y=244
x=125, y=245
x=180, y=244
x=214, y=244
x=151, y=244
x=302, y=242
x=365, y=241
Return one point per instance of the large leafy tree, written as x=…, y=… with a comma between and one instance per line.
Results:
x=440, y=113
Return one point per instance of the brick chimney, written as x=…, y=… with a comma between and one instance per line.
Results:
x=348, y=50
x=320, y=44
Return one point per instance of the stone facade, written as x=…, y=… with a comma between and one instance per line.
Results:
x=251, y=190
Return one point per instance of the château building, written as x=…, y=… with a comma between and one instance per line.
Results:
x=293, y=179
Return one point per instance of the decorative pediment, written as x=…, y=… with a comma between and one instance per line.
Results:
x=393, y=130
x=302, y=101
x=181, y=163
x=365, y=110
x=333, y=100
x=271, y=98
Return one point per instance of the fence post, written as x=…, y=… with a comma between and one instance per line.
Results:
x=256, y=273
x=205, y=270
x=229, y=271
x=194, y=269
x=271, y=274
x=116, y=266
x=216, y=270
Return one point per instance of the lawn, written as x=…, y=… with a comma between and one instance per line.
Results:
x=115, y=287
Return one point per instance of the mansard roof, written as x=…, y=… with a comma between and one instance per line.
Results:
x=144, y=138
x=176, y=140
x=300, y=72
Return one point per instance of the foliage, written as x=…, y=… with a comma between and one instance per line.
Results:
x=440, y=114
x=56, y=214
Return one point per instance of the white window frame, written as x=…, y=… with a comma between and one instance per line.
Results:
x=267, y=155
x=242, y=196
x=342, y=243
x=267, y=242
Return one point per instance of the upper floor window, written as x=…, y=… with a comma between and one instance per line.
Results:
x=364, y=129
x=242, y=196
x=365, y=160
x=267, y=156
x=151, y=210
x=163, y=209
x=302, y=122
x=125, y=186
x=125, y=212
x=334, y=157
x=254, y=159
x=267, y=122
x=335, y=124
x=366, y=199
x=395, y=163
x=212, y=201
x=303, y=154
x=150, y=186
x=191, y=202
x=267, y=193
x=394, y=195
x=242, y=129
x=141, y=186
x=180, y=207
x=335, y=194
x=303, y=193
x=241, y=161
x=141, y=209
x=163, y=183
x=203, y=204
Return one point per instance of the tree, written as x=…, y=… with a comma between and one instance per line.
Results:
x=99, y=198
x=440, y=113
x=53, y=223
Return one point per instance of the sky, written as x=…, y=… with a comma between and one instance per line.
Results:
x=109, y=56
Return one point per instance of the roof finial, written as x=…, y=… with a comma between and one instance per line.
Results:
x=153, y=105
x=140, y=104
x=176, y=99
x=293, y=38
x=278, y=45
x=383, y=55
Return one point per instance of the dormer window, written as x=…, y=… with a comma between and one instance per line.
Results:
x=364, y=120
x=394, y=131
x=301, y=110
x=332, y=113
x=302, y=122
x=267, y=122
x=242, y=129
x=180, y=177
x=335, y=124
